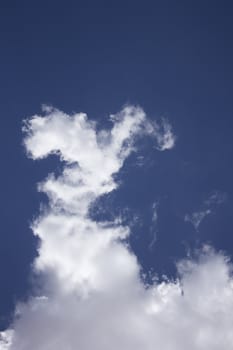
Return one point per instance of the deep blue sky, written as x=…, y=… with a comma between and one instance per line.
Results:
x=175, y=59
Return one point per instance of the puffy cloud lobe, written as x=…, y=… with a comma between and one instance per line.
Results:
x=93, y=297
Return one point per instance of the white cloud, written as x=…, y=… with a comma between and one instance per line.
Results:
x=210, y=204
x=166, y=139
x=216, y=198
x=93, y=297
x=196, y=218
x=5, y=339
x=154, y=222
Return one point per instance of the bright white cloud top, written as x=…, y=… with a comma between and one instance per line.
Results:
x=92, y=295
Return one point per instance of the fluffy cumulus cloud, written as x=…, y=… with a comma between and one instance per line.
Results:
x=92, y=296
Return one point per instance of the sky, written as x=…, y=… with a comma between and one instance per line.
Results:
x=129, y=106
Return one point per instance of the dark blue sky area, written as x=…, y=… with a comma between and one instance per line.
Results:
x=174, y=58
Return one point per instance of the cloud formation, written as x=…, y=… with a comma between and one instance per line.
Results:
x=153, y=227
x=92, y=295
x=208, y=207
x=197, y=217
x=166, y=139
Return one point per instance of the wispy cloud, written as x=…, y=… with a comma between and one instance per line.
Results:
x=196, y=218
x=153, y=227
x=166, y=139
x=92, y=296
x=214, y=199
